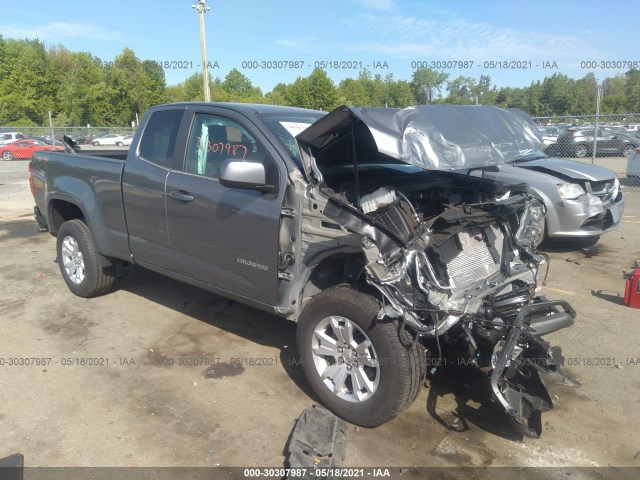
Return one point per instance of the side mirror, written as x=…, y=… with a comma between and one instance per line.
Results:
x=247, y=175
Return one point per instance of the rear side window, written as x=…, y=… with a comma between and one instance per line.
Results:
x=158, y=141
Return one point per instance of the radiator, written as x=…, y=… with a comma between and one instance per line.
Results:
x=468, y=257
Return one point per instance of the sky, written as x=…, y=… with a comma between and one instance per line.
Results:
x=512, y=42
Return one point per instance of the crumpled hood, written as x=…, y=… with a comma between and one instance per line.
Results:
x=568, y=169
x=433, y=137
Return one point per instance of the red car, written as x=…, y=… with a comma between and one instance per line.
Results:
x=25, y=148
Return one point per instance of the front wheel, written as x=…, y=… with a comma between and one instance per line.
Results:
x=80, y=263
x=7, y=155
x=96, y=144
x=360, y=367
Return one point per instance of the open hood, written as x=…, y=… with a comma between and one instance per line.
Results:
x=433, y=137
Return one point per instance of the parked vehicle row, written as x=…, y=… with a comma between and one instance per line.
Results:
x=580, y=141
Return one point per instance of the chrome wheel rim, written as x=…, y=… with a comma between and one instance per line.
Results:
x=72, y=260
x=345, y=359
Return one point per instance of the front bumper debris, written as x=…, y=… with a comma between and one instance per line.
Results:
x=515, y=379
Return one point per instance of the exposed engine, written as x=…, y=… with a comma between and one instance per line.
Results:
x=459, y=270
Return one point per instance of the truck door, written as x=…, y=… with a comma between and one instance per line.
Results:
x=225, y=237
x=143, y=187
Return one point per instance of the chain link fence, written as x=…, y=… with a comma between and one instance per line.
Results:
x=611, y=141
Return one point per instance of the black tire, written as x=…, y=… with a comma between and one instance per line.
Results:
x=7, y=155
x=119, y=144
x=96, y=144
x=581, y=150
x=401, y=365
x=96, y=278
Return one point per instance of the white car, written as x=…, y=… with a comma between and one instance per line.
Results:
x=633, y=165
x=10, y=137
x=109, y=139
x=125, y=141
x=550, y=135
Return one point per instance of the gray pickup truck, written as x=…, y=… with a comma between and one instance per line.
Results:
x=363, y=225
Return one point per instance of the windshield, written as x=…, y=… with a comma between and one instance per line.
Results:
x=286, y=126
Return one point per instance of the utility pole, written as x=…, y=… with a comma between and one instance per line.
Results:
x=202, y=9
x=595, y=131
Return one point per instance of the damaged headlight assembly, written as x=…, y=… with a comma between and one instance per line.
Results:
x=531, y=230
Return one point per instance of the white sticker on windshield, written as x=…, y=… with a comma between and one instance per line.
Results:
x=294, y=128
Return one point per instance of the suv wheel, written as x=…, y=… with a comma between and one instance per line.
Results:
x=80, y=263
x=360, y=367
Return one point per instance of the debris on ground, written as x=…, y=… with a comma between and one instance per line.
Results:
x=318, y=440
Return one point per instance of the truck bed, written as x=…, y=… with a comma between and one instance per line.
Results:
x=96, y=186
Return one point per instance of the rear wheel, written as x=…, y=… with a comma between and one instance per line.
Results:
x=80, y=263
x=7, y=155
x=581, y=151
x=360, y=367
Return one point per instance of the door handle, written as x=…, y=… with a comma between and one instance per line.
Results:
x=181, y=195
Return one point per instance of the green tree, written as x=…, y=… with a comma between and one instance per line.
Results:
x=460, y=91
x=240, y=88
x=558, y=95
x=587, y=90
x=425, y=82
x=278, y=96
x=352, y=92
x=28, y=85
x=322, y=91
x=152, y=85
x=400, y=94
x=77, y=73
x=632, y=90
x=614, y=98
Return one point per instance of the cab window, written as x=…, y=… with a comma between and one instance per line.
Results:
x=214, y=139
x=158, y=141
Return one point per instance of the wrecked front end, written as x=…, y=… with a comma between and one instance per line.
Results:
x=452, y=257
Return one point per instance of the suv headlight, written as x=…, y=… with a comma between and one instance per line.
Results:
x=531, y=230
x=570, y=191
